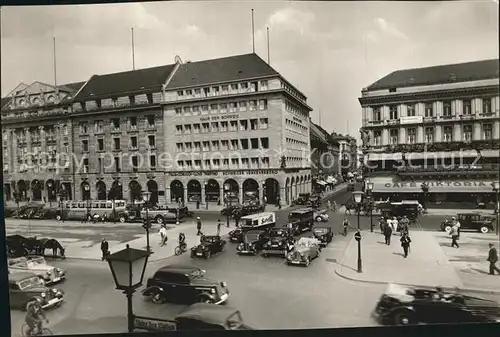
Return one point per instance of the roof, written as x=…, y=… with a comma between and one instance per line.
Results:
x=4, y=101
x=72, y=86
x=19, y=276
x=459, y=72
x=302, y=210
x=316, y=132
x=179, y=268
x=226, y=69
x=126, y=82
x=208, y=313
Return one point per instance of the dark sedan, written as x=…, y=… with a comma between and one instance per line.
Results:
x=210, y=244
x=253, y=242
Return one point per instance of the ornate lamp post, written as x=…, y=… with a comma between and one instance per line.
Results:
x=49, y=187
x=263, y=193
x=358, y=199
x=128, y=267
x=227, y=201
x=147, y=222
x=206, y=195
x=496, y=187
x=425, y=189
x=369, y=189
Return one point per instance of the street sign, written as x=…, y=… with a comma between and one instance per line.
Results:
x=154, y=324
x=357, y=236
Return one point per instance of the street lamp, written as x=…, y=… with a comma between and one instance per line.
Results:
x=147, y=223
x=49, y=187
x=358, y=199
x=264, y=193
x=425, y=189
x=128, y=267
x=496, y=188
x=206, y=195
x=369, y=189
x=227, y=187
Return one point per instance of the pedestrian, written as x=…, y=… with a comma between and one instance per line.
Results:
x=493, y=259
x=388, y=223
x=345, y=224
x=265, y=201
x=395, y=225
x=219, y=224
x=163, y=235
x=457, y=223
x=405, y=243
x=454, y=236
x=381, y=223
x=329, y=205
x=335, y=207
x=278, y=201
x=104, y=249
x=388, y=234
x=198, y=226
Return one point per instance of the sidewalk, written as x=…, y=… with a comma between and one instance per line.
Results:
x=93, y=252
x=444, y=211
x=469, y=260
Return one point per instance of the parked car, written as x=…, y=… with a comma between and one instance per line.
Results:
x=210, y=244
x=38, y=266
x=26, y=287
x=323, y=234
x=228, y=210
x=160, y=216
x=401, y=305
x=186, y=284
x=302, y=219
x=259, y=221
x=45, y=213
x=321, y=215
x=278, y=238
x=470, y=221
x=303, y=199
x=29, y=212
x=253, y=241
x=304, y=251
x=248, y=210
x=408, y=208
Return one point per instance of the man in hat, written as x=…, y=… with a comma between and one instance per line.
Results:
x=493, y=259
x=198, y=226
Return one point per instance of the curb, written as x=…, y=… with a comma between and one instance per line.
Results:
x=472, y=290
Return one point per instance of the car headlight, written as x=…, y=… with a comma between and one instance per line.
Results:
x=281, y=243
x=268, y=243
x=49, y=272
x=43, y=295
x=54, y=291
x=212, y=291
x=224, y=284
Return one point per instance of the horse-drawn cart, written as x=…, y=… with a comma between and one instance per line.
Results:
x=19, y=246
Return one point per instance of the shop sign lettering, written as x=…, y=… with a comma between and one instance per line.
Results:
x=437, y=184
x=217, y=118
x=223, y=173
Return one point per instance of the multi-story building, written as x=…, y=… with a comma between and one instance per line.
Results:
x=324, y=152
x=235, y=125
x=438, y=125
x=348, y=151
x=38, y=141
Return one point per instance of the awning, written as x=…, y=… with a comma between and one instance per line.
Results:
x=449, y=186
x=385, y=156
x=321, y=182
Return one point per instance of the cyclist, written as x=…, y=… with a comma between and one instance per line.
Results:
x=335, y=208
x=345, y=224
x=182, y=241
x=33, y=320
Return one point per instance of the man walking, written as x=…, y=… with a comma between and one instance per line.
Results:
x=493, y=259
x=405, y=243
x=219, y=224
x=388, y=234
x=104, y=248
x=163, y=235
x=329, y=205
x=454, y=236
x=381, y=223
x=198, y=226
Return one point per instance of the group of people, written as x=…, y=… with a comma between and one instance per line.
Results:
x=390, y=226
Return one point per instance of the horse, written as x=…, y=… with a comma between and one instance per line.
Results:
x=53, y=244
x=22, y=244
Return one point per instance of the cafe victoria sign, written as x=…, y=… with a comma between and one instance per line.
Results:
x=451, y=186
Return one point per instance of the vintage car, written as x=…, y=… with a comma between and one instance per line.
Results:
x=304, y=251
x=401, y=305
x=45, y=213
x=247, y=210
x=323, y=234
x=408, y=208
x=470, y=221
x=259, y=221
x=278, y=239
x=253, y=241
x=184, y=284
x=321, y=215
x=160, y=216
x=302, y=199
x=198, y=316
x=38, y=266
x=209, y=245
x=228, y=210
x=301, y=220
x=26, y=287
x=28, y=213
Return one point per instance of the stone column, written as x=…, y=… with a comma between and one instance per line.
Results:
x=203, y=193
x=402, y=136
x=385, y=139
x=420, y=134
x=438, y=136
x=185, y=194
x=496, y=130
x=476, y=132
x=15, y=153
x=457, y=133
x=168, y=196
x=240, y=192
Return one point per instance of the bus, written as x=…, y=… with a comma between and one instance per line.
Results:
x=77, y=210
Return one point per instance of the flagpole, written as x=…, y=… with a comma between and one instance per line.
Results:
x=253, y=33
x=133, y=49
x=268, y=50
x=55, y=63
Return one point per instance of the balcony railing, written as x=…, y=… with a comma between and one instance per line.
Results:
x=451, y=168
x=490, y=144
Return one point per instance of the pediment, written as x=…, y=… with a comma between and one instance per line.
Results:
x=35, y=94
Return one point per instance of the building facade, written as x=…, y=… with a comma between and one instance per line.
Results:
x=324, y=153
x=348, y=152
x=184, y=130
x=438, y=125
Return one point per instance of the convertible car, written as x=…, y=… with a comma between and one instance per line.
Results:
x=401, y=305
x=38, y=266
x=304, y=251
x=209, y=245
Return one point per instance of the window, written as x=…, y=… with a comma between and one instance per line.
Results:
x=234, y=87
x=234, y=162
x=85, y=145
x=135, y=164
x=187, y=109
x=189, y=147
x=376, y=114
x=99, y=165
x=205, y=127
x=215, y=145
x=204, y=109
x=100, y=144
x=394, y=135
x=197, y=92
x=467, y=133
x=151, y=141
x=244, y=85
x=206, y=146
x=189, y=92
x=233, y=125
x=447, y=108
x=215, y=90
x=215, y=127
x=265, y=162
x=264, y=143
x=197, y=164
x=179, y=147
x=411, y=110
x=152, y=162
x=429, y=134
x=263, y=104
x=223, y=126
x=253, y=105
x=263, y=123
x=412, y=135
x=263, y=85
x=117, y=143
x=448, y=134
x=243, y=125
x=244, y=144
x=243, y=106
x=487, y=106
x=254, y=143
x=117, y=164
x=232, y=107
x=235, y=144
x=133, y=122
x=244, y=162
x=377, y=138
x=487, y=130
x=225, y=145
x=254, y=162
x=187, y=129
x=178, y=111
x=393, y=112
x=66, y=130
x=116, y=124
x=180, y=93
x=86, y=167
x=195, y=110
x=197, y=146
x=206, y=164
x=254, y=124
x=206, y=91
x=223, y=108
x=429, y=110
x=84, y=128
x=178, y=129
x=224, y=89
x=133, y=142
x=467, y=109
x=214, y=108
x=151, y=121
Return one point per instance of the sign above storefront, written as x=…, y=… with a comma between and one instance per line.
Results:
x=411, y=120
x=223, y=173
x=449, y=186
x=217, y=118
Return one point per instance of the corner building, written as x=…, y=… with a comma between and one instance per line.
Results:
x=235, y=122
x=438, y=125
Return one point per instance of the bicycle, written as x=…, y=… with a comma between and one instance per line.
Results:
x=182, y=248
x=43, y=332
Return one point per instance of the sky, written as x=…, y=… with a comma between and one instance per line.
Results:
x=328, y=50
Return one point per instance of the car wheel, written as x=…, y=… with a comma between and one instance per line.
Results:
x=122, y=219
x=177, y=251
x=308, y=261
x=319, y=219
x=484, y=229
x=159, y=220
x=208, y=254
x=447, y=228
x=158, y=298
x=403, y=317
